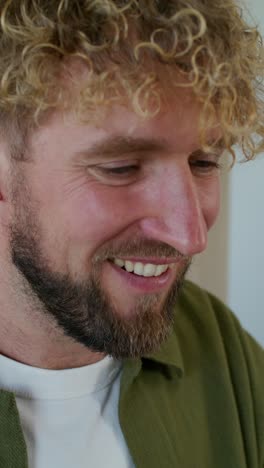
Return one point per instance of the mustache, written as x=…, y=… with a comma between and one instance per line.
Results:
x=138, y=248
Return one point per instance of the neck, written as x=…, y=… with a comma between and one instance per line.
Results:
x=30, y=337
x=38, y=350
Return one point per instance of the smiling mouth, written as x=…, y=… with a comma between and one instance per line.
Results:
x=147, y=270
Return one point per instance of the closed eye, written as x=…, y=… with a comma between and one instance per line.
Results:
x=117, y=172
x=120, y=170
x=203, y=164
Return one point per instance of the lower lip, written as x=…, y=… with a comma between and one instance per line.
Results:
x=151, y=284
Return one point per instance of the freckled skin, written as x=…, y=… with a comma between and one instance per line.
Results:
x=171, y=202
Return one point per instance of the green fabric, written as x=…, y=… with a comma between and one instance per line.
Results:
x=197, y=403
x=13, y=452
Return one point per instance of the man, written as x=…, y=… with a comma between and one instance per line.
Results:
x=115, y=118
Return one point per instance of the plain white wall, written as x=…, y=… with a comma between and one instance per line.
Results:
x=232, y=266
x=246, y=249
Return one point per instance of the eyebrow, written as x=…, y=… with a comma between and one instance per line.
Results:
x=118, y=145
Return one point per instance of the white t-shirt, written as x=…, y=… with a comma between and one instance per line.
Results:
x=69, y=417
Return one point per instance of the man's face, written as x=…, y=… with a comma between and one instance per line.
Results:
x=106, y=222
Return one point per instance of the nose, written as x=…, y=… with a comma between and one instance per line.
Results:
x=176, y=214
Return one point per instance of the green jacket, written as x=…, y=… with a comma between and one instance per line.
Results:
x=197, y=403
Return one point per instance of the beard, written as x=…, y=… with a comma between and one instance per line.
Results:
x=83, y=310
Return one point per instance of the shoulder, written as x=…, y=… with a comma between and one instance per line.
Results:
x=212, y=339
x=211, y=318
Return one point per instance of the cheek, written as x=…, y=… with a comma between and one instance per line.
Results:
x=95, y=215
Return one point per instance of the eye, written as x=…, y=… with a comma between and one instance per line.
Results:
x=116, y=172
x=205, y=164
x=119, y=170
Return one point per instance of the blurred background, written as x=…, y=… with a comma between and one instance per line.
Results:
x=232, y=266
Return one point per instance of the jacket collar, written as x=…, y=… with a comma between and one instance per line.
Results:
x=168, y=356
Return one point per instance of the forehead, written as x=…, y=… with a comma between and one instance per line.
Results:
x=173, y=129
x=177, y=123
x=178, y=115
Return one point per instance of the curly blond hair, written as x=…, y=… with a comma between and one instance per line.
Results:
x=203, y=45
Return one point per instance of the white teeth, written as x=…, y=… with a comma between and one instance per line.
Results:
x=161, y=269
x=129, y=266
x=119, y=262
x=149, y=270
x=140, y=269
